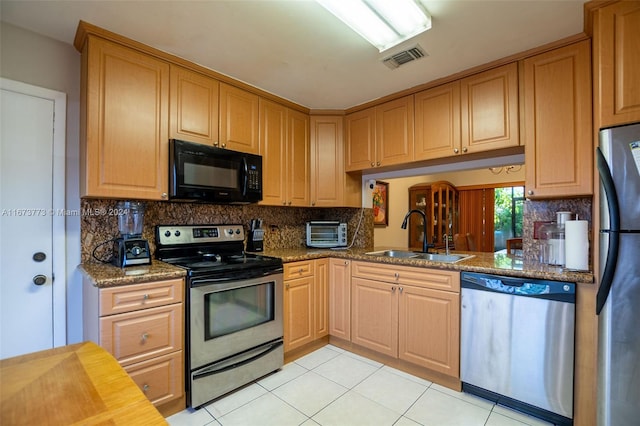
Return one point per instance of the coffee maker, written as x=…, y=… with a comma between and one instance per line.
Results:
x=130, y=248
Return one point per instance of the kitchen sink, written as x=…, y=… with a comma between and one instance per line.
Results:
x=435, y=257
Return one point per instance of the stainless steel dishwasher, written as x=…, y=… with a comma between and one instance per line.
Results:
x=517, y=343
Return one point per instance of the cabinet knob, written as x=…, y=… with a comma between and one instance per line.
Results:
x=289, y=203
x=393, y=289
x=529, y=192
x=216, y=143
x=145, y=336
x=397, y=275
x=164, y=195
x=456, y=150
x=346, y=262
x=378, y=164
x=224, y=145
x=464, y=149
x=146, y=296
x=400, y=289
x=40, y=279
x=145, y=387
x=313, y=203
x=373, y=164
x=287, y=286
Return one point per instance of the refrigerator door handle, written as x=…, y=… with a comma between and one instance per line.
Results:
x=614, y=230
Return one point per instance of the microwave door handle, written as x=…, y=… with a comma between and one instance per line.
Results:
x=245, y=178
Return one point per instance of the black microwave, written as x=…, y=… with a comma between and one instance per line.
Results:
x=204, y=173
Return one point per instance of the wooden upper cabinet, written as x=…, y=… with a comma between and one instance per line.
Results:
x=437, y=122
x=394, y=132
x=380, y=135
x=124, y=133
x=284, y=146
x=330, y=185
x=360, y=132
x=273, y=139
x=557, y=122
x=239, y=121
x=297, y=170
x=489, y=102
x=616, y=38
x=194, y=106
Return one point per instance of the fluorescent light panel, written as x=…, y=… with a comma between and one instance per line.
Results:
x=383, y=23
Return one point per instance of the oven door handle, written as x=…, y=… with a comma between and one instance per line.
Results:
x=234, y=276
x=237, y=361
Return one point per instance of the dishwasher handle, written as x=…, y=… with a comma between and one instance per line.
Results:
x=525, y=287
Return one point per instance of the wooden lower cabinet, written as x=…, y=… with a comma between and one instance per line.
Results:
x=305, y=302
x=340, y=298
x=408, y=313
x=142, y=325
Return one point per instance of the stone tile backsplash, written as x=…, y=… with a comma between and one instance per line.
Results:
x=545, y=210
x=284, y=226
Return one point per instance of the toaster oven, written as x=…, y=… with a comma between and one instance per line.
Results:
x=326, y=234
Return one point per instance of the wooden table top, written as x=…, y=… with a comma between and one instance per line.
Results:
x=80, y=384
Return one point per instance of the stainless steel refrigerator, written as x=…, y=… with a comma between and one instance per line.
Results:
x=618, y=299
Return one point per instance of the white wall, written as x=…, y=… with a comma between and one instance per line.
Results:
x=41, y=61
x=393, y=235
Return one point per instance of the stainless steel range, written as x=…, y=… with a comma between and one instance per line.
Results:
x=233, y=311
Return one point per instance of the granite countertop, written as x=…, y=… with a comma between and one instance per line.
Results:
x=489, y=263
x=106, y=275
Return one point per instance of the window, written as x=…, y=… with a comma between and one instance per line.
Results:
x=509, y=202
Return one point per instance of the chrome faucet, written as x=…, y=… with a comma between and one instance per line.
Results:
x=425, y=245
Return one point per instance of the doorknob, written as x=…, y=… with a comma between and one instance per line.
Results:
x=39, y=279
x=39, y=256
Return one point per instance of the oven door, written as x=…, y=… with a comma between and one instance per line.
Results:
x=231, y=317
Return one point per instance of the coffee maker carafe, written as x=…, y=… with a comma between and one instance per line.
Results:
x=130, y=248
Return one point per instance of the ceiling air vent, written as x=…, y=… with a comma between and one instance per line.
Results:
x=401, y=58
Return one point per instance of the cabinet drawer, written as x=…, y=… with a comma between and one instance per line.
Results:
x=298, y=269
x=420, y=277
x=116, y=300
x=140, y=335
x=160, y=379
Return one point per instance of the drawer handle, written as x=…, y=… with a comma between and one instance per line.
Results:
x=145, y=388
x=145, y=336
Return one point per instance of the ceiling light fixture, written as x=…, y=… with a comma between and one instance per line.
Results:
x=382, y=23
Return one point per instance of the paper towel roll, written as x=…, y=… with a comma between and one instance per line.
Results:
x=576, y=245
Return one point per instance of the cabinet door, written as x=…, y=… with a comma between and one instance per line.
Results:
x=239, y=119
x=340, y=298
x=374, y=315
x=394, y=132
x=489, y=102
x=124, y=151
x=321, y=298
x=273, y=139
x=161, y=379
x=437, y=122
x=360, y=131
x=327, y=161
x=194, y=107
x=557, y=122
x=617, y=58
x=297, y=167
x=298, y=312
x=429, y=329
x=140, y=335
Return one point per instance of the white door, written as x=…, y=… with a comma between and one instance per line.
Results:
x=31, y=219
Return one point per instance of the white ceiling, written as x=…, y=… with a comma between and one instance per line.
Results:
x=298, y=51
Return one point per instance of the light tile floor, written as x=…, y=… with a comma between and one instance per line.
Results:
x=333, y=387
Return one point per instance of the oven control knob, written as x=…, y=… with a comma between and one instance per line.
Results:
x=238, y=231
x=230, y=231
x=167, y=233
x=177, y=233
